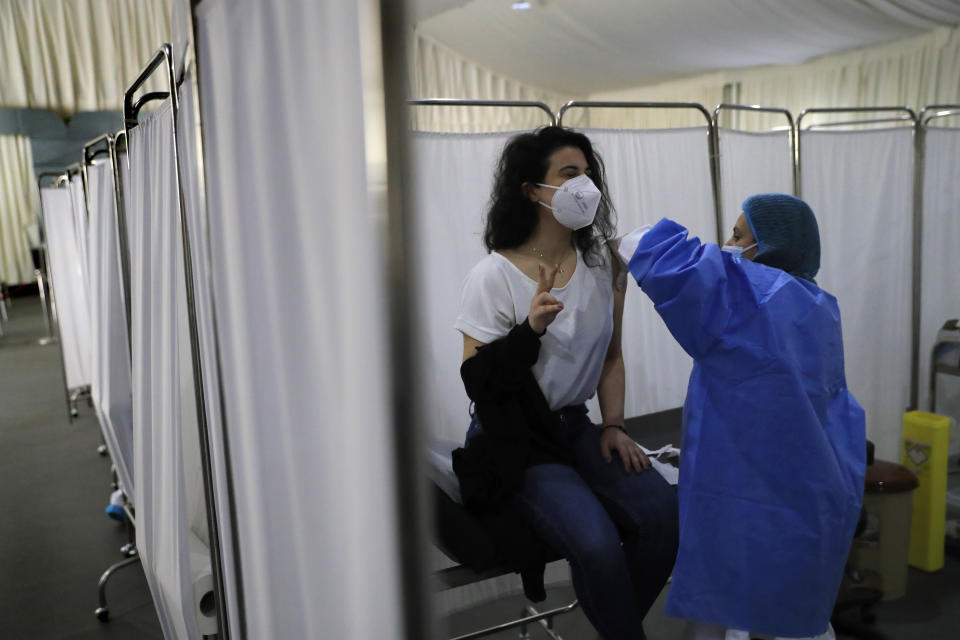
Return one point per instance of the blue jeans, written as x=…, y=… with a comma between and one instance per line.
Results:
x=618, y=530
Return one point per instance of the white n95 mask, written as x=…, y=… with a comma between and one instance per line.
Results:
x=575, y=202
x=735, y=250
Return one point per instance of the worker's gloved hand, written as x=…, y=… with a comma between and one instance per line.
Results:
x=614, y=438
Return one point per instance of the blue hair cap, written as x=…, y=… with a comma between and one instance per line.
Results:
x=786, y=233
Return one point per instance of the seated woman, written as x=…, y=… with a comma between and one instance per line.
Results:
x=540, y=317
x=771, y=477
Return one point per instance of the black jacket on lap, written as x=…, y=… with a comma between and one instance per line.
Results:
x=519, y=430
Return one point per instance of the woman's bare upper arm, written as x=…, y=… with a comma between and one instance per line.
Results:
x=470, y=346
x=619, y=273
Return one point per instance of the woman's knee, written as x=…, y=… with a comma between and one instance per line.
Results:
x=597, y=550
x=646, y=504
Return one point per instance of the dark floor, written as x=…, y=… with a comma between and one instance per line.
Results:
x=55, y=539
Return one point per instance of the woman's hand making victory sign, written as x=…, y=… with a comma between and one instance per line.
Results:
x=544, y=307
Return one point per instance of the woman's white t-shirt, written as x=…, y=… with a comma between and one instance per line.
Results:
x=496, y=297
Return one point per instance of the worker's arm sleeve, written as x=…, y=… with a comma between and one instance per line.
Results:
x=686, y=280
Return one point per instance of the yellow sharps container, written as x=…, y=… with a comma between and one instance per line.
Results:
x=925, y=440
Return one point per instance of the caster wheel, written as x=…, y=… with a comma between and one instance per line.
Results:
x=74, y=413
x=102, y=613
x=102, y=450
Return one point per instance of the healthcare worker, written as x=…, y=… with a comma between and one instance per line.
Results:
x=543, y=307
x=771, y=476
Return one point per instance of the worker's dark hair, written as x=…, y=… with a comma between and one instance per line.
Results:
x=512, y=217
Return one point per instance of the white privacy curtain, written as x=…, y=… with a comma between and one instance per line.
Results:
x=79, y=220
x=18, y=208
x=163, y=393
x=454, y=178
x=301, y=316
x=652, y=174
x=752, y=163
x=941, y=258
x=110, y=357
x=69, y=284
x=454, y=175
x=860, y=186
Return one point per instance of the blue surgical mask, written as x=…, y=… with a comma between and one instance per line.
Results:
x=736, y=250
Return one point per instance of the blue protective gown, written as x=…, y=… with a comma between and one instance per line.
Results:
x=771, y=477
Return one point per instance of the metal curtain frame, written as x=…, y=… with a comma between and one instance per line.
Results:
x=163, y=59
x=712, y=146
x=917, y=262
x=90, y=153
x=42, y=272
x=450, y=102
x=60, y=180
x=849, y=123
x=192, y=59
x=755, y=109
x=412, y=502
x=927, y=114
x=123, y=237
x=905, y=111
x=936, y=111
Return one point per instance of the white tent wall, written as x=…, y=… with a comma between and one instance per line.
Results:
x=164, y=414
x=69, y=284
x=914, y=72
x=438, y=72
x=110, y=359
x=19, y=206
x=646, y=170
x=940, y=285
x=860, y=186
x=300, y=300
x=76, y=55
x=752, y=163
x=67, y=56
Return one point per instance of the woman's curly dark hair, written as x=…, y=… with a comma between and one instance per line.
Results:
x=512, y=217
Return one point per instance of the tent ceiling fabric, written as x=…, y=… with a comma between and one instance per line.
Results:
x=587, y=47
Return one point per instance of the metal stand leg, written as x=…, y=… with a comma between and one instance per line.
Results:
x=130, y=549
x=103, y=612
x=523, y=633
x=48, y=339
x=528, y=615
x=545, y=623
x=75, y=397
